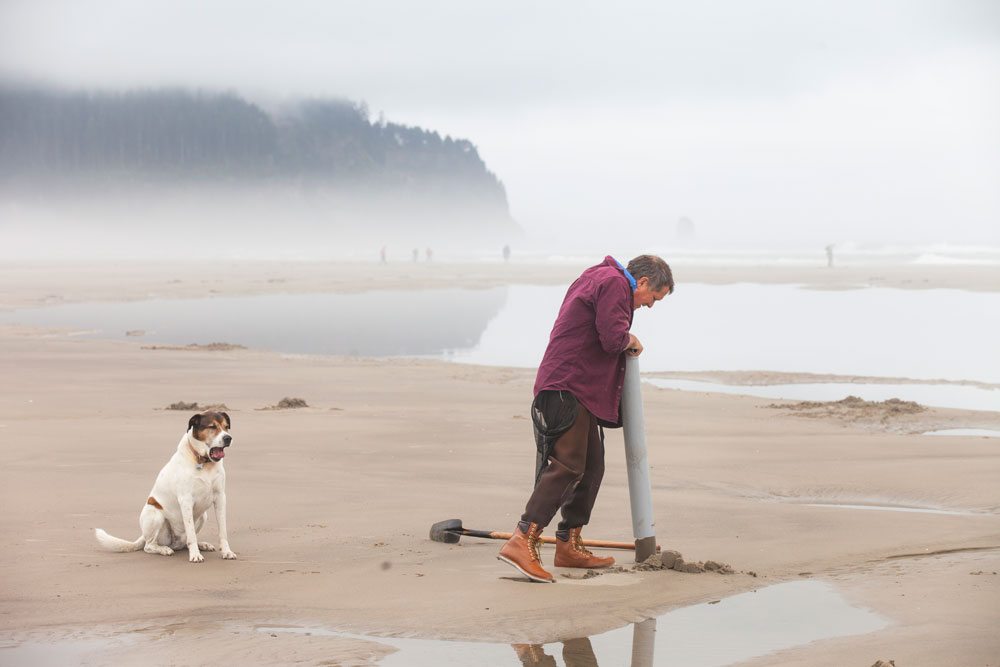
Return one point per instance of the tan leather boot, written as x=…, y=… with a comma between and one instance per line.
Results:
x=521, y=552
x=533, y=655
x=571, y=553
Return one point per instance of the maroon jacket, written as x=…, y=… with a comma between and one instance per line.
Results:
x=586, y=352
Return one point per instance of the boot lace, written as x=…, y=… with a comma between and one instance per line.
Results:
x=577, y=541
x=533, y=541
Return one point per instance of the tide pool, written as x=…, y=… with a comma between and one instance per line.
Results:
x=919, y=334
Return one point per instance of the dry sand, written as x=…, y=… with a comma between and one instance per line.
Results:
x=329, y=505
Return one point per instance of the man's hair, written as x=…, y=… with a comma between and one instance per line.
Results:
x=654, y=268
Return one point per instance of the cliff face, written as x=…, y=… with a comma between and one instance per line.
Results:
x=325, y=154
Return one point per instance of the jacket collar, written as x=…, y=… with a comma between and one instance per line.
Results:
x=628, y=276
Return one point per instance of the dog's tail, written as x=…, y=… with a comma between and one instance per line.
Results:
x=118, y=544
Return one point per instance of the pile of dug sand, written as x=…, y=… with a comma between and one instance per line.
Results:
x=666, y=560
x=197, y=347
x=182, y=405
x=288, y=404
x=853, y=410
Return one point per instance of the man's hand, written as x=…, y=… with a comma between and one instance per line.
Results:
x=634, y=348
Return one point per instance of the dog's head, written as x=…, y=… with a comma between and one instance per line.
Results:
x=209, y=433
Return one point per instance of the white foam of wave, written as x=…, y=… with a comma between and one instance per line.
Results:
x=844, y=253
x=937, y=259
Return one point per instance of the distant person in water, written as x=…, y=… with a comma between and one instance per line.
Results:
x=506, y=253
x=578, y=392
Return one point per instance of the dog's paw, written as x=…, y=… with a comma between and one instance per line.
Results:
x=228, y=555
x=155, y=549
x=205, y=546
x=196, y=558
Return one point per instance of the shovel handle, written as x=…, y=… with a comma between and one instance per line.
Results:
x=547, y=539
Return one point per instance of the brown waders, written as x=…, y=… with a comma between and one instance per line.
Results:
x=570, y=466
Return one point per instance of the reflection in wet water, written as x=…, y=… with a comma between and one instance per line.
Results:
x=872, y=332
x=714, y=634
x=575, y=653
x=380, y=323
x=579, y=652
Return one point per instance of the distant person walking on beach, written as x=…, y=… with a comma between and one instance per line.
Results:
x=506, y=253
x=381, y=254
x=829, y=256
x=578, y=392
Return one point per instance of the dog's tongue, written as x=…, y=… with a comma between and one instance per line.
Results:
x=217, y=453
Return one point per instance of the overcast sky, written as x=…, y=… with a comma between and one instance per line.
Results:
x=770, y=122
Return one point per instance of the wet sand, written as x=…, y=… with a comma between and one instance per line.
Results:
x=329, y=505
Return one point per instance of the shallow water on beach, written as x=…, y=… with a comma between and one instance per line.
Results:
x=713, y=634
x=967, y=432
x=722, y=632
x=377, y=324
x=894, y=508
x=936, y=395
x=70, y=652
x=921, y=334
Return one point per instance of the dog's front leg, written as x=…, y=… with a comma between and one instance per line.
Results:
x=190, y=534
x=219, y=500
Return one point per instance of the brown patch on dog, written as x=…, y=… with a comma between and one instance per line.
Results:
x=223, y=419
x=208, y=421
x=152, y=501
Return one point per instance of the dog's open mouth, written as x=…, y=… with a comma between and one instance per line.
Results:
x=216, y=453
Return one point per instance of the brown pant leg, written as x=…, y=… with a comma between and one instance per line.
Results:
x=576, y=510
x=567, y=464
x=579, y=653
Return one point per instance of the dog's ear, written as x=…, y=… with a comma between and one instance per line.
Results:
x=194, y=422
x=229, y=424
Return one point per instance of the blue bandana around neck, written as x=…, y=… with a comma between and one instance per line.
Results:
x=629, y=276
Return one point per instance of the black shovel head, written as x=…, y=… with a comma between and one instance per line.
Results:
x=442, y=531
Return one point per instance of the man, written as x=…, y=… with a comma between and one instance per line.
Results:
x=578, y=392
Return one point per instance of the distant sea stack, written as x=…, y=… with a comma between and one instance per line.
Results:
x=685, y=229
x=178, y=157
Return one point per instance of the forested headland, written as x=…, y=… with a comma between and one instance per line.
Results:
x=326, y=160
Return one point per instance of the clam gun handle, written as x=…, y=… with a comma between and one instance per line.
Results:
x=547, y=539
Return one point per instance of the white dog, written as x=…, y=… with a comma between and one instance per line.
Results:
x=192, y=481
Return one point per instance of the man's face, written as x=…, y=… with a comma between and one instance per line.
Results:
x=644, y=295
